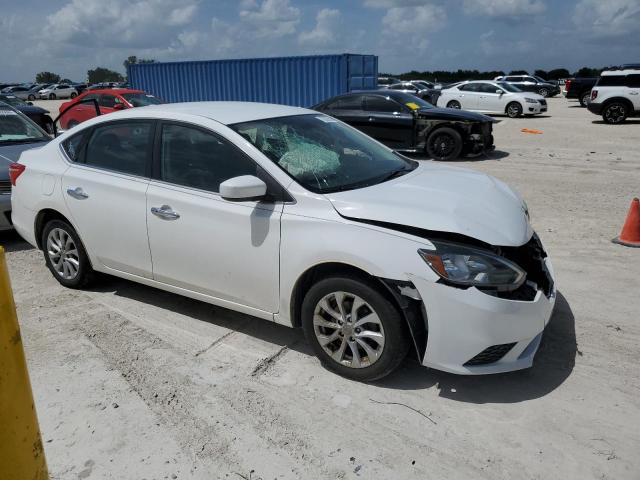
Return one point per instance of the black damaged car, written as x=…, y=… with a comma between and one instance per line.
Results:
x=410, y=124
x=37, y=114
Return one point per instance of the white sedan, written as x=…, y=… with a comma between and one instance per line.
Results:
x=492, y=97
x=56, y=90
x=297, y=218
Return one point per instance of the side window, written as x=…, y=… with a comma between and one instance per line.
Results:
x=107, y=101
x=612, y=81
x=530, y=79
x=122, y=147
x=488, y=88
x=193, y=158
x=74, y=146
x=374, y=103
x=469, y=87
x=353, y=102
x=633, y=80
x=512, y=79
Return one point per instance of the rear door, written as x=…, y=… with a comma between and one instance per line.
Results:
x=469, y=96
x=389, y=122
x=633, y=83
x=105, y=191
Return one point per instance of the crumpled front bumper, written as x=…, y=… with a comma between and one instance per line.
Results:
x=464, y=324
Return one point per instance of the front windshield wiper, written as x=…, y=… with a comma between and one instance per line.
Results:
x=396, y=173
x=23, y=140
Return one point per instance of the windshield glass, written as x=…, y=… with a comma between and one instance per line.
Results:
x=11, y=100
x=411, y=101
x=508, y=87
x=323, y=154
x=141, y=99
x=16, y=128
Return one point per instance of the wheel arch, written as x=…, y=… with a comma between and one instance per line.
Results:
x=624, y=100
x=519, y=102
x=412, y=310
x=42, y=218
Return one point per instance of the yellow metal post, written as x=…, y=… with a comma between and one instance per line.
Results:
x=21, y=452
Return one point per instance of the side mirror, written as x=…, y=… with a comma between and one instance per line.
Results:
x=118, y=106
x=244, y=187
x=29, y=103
x=499, y=91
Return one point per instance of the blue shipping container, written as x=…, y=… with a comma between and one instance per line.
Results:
x=298, y=81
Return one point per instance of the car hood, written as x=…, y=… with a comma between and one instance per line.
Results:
x=31, y=109
x=443, y=199
x=453, y=114
x=11, y=153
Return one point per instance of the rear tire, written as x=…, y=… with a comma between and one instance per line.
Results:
x=615, y=112
x=65, y=255
x=444, y=144
x=74, y=94
x=454, y=104
x=31, y=97
x=584, y=99
x=334, y=308
x=514, y=110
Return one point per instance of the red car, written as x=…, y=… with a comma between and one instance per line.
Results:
x=109, y=100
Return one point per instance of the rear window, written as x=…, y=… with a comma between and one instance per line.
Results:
x=74, y=146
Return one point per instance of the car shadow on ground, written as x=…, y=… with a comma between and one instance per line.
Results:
x=554, y=361
x=12, y=242
x=627, y=121
x=552, y=365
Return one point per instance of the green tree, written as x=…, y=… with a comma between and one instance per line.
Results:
x=132, y=60
x=518, y=72
x=588, y=72
x=101, y=74
x=558, y=73
x=47, y=77
x=542, y=74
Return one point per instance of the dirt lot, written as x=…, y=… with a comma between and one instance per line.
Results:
x=134, y=383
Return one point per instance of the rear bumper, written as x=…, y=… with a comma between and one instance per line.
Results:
x=595, y=107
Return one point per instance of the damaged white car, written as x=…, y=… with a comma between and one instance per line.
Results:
x=295, y=217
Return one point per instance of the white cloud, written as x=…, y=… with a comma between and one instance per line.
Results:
x=142, y=24
x=394, y=3
x=504, y=8
x=326, y=32
x=271, y=18
x=413, y=23
x=610, y=18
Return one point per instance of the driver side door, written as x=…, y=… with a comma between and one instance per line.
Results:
x=201, y=242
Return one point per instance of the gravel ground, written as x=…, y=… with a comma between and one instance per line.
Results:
x=131, y=382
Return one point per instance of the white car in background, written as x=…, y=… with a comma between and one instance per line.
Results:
x=58, y=91
x=297, y=218
x=486, y=96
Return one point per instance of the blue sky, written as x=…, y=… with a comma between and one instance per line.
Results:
x=70, y=36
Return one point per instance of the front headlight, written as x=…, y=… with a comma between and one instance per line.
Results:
x=531, y=100
x=470, y=266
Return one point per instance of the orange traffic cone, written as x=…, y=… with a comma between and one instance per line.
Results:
x=630, y=234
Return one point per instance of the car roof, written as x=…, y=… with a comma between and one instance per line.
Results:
x=113, y=91
x=226, y=113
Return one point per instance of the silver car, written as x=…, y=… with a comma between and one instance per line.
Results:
x=24, y=92
x=58, y=90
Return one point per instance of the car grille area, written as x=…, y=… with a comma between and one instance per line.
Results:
x=543, y=102
x=490, y=355
x=5, y=187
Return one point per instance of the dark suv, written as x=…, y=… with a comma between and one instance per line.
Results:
x=527, y=83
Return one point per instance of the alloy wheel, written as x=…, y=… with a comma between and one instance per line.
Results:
x=544, y=92
x=513, y=110
x=63, y=253
x=348, y=329
x=615, y=113
x=454, y=104
x=443, y=145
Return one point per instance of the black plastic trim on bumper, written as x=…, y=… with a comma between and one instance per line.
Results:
x=595, y=108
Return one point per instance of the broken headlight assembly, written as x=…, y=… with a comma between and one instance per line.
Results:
x=464, y=266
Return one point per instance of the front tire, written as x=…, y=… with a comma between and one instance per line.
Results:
x=615, y=113
x=52, y=96
x=354, y=329
x=544, y=92
x=454, y=104
x=444, y=144
x=65, y=255
x=514, y=110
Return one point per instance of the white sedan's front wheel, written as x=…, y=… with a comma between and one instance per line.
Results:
x=354, y=329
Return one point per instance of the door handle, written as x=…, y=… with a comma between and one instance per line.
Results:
x=165, y=212
x=77, y=193
x=371, y=119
